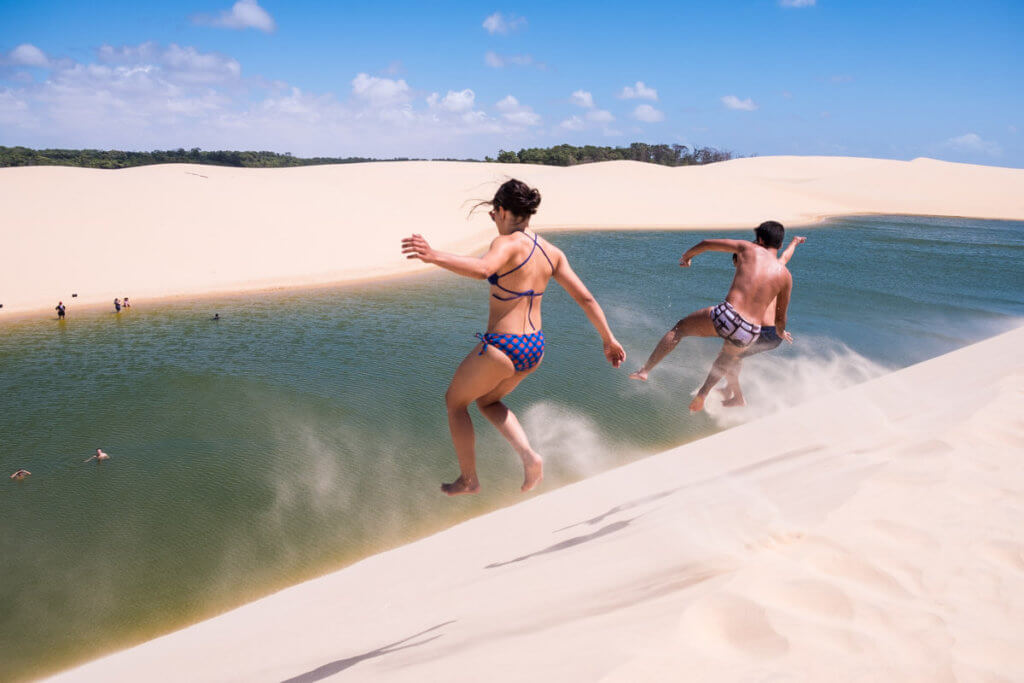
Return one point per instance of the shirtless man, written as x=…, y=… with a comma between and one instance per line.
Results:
x=768, y=340
x=760, y=279
x=20, y=474
x=100, y=455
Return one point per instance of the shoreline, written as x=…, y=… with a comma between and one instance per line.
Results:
x=163, y=233
x=93, y=307
x=839, y=501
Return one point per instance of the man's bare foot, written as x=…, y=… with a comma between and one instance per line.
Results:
x=640, y=374
x=726, y=393
x=697, y=404
x=460, y=486
x=734, y=402
x=533, y=472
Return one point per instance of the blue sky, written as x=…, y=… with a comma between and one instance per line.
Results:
x=458, y=79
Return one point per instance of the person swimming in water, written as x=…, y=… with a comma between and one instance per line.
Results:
x=768, y=340
x=20, y=474
x=759, y=280
x=518, y=265
x=99, y=457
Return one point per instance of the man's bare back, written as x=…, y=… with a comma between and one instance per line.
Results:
x=759, y=280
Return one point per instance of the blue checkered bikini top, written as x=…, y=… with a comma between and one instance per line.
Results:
x=512, y=294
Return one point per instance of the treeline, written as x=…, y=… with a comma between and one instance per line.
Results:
x=560, y=155
x=98, y=158
x=570, y=155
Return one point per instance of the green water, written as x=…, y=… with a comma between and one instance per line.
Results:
x=304, y=431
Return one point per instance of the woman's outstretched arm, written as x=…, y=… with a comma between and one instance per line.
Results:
x=470, y=266
x=565, y=276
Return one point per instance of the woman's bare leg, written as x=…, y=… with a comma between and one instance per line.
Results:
x=476, y=376
x=697, y=324
x=505, y=421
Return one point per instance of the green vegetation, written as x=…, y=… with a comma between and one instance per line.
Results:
x=569, y=155
x=560, y=155
x=98, y=158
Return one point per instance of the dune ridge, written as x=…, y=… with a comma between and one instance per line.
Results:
x=872, y=534
x=187, y=230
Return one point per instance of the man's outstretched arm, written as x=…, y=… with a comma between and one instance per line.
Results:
x=791, y=249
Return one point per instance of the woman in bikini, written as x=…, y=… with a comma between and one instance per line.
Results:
x=518, y=266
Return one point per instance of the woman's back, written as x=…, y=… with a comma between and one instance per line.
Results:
x=517, y=287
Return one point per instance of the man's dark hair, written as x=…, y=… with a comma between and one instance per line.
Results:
x=770, y=234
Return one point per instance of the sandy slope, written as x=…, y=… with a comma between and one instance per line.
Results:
x=875, y=534
x=182, y=230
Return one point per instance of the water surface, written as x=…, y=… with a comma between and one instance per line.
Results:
x=306, y=430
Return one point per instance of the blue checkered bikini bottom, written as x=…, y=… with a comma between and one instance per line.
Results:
x=524, y=350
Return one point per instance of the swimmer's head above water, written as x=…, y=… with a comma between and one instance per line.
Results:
x=513, y=205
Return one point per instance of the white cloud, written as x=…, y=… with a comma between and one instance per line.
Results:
x=972, y=142
x=516, y=113
x=496, y=61
x=150, y=96
x=582, y=98
x=638, y=92
x=499, y=23
x=242, y=15
x=380, y=91
x=27, y=55
x=600, y=116
x=841, y=78
x=648, y=114
x=797, y=3
x=733, y=102
x=572, y=123
x=455, y=101
x=175, y=63
x=507, y=103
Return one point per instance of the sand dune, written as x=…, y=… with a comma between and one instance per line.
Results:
x=874, y=534
x=169, y=230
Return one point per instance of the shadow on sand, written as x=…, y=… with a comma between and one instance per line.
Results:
x=568, y=543
x=340, y=665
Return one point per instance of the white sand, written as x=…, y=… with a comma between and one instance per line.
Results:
x=161, y=231
x=874, y=535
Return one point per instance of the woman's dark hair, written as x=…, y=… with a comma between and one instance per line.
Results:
x=771, y=234
x=517, y=197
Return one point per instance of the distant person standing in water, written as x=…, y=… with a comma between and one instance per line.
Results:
x=99, y=457
x=216, y=316
x=126, y=304
x=760, y=279
x=61, y=309
x=117, y=305
x=518, y=265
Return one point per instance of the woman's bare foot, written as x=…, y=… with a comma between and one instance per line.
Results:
x=640, y=374
x=533, y=472
x=460, y=486
x=734, y=402
x=697, y=404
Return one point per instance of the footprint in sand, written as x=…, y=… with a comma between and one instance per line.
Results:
x=776, y=540
x=727, y=625
x=838, y=562
x=1006, y=554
